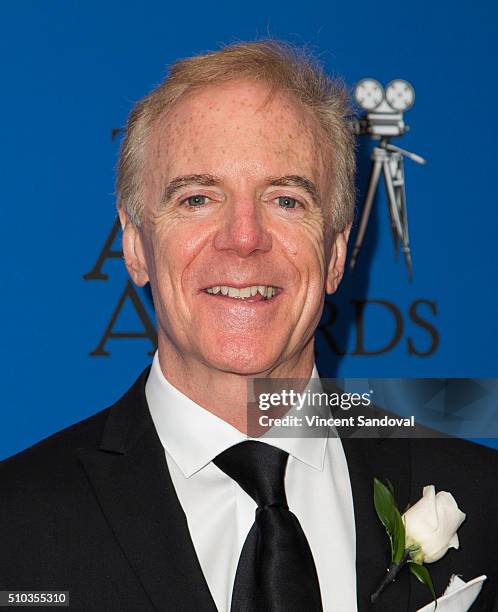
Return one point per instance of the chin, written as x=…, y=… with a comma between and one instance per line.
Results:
x=246, y=359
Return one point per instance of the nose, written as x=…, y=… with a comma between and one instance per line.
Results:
x=243, y=230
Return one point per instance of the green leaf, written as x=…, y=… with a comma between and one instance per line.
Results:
x=399, y=537
x=422, y=574
x=385, y=506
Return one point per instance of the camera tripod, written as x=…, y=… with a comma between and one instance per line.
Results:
x=388, y=158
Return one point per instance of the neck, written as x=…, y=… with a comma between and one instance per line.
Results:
x=224, y=393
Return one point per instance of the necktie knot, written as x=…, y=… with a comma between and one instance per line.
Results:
x=259, y=469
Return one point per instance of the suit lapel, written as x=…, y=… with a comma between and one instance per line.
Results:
x=386, y=459
x=130, y=478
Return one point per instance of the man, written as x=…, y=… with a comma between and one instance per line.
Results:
x=235, y=197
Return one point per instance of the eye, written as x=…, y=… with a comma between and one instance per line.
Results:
x=287, y=202
x=195, y=200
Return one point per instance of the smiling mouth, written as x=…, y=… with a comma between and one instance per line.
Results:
x=251, y=293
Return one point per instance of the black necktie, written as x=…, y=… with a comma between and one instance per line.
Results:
x=276, y=571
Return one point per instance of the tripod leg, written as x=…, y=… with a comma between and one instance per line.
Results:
x=394, y=165
x=401, y=198
x=393, y=229
x=391, y=201
x=367, y=209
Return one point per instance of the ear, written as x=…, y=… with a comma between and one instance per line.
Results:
x=337, y=260
x=133, y=250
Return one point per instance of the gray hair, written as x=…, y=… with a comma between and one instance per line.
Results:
x=284, y=68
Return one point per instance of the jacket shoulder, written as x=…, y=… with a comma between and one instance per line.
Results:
x=52, y=456
x=455, y=459
x=463, y=452
x=57, y=450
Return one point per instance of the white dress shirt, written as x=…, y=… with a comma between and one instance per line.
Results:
x=220, y=514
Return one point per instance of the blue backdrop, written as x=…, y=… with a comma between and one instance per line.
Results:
x=71, y=71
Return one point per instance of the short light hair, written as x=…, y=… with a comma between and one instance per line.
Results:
x=284, y=68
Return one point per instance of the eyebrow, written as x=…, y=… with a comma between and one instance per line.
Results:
x=294, y=180
x=210, y=180
x=206, y=180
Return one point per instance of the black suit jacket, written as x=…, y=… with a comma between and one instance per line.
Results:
x=93, y=510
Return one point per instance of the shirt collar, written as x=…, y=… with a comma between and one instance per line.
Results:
x=193, y=436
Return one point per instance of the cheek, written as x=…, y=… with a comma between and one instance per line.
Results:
x=175, y=248
x=303, y=243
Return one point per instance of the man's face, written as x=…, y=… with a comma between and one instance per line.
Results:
x=233, y=234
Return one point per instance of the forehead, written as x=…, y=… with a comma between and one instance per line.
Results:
x=236, y=128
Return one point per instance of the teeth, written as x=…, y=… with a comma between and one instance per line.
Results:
x=266, y=291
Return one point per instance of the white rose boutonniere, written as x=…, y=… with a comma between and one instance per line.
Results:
x=423, y=534
x=431, y=525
